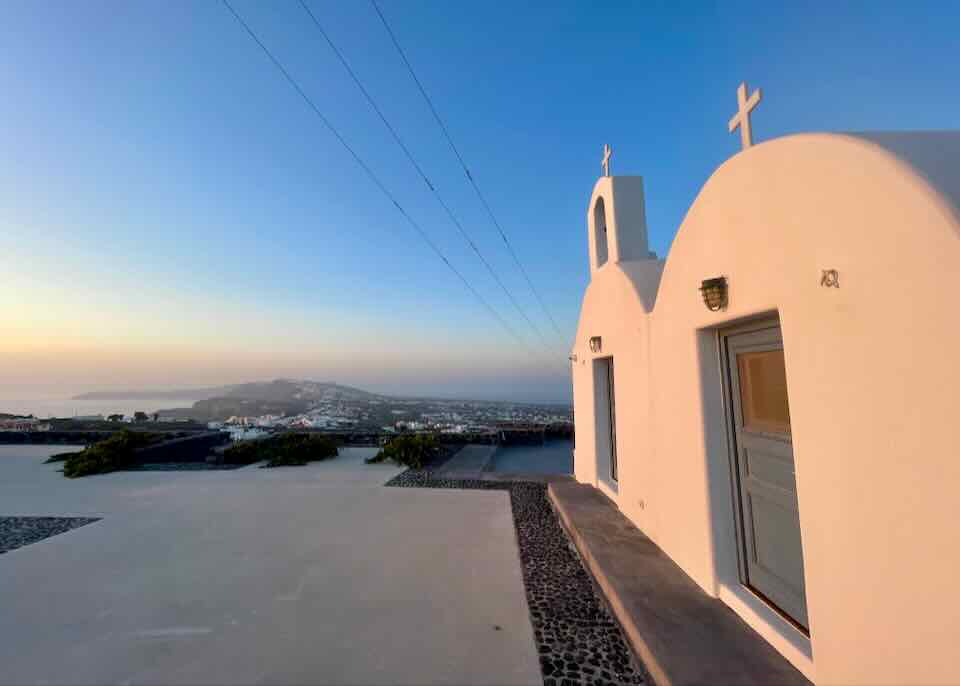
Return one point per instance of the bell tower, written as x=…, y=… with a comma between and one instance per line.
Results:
x=616, y=219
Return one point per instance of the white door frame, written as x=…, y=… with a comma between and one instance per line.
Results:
x=763, y=474
x=604, y=406
x=783, y=634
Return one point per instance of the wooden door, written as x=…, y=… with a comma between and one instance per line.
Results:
x=765, y=497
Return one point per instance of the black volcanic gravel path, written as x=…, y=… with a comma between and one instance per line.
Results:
x=578, y=640
x=16, y=532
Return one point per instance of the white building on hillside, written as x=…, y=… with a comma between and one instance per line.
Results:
x=774, y=404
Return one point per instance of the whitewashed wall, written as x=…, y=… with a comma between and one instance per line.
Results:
x=873, y=379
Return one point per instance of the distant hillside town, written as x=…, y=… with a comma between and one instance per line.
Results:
x=248, y=410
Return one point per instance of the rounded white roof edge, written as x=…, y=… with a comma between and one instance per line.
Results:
x=932, y=155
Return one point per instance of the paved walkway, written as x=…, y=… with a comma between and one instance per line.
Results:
x=683, y=636
x=295, y=575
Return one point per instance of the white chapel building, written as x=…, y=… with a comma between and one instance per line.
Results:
x=777, y=403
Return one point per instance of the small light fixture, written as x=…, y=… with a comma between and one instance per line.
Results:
x=596, y=344
x=714, y=292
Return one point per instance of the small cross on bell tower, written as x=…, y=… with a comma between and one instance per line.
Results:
x=605, y=164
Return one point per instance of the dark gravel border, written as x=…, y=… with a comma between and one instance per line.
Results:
x=578, y=639
x=16, y=532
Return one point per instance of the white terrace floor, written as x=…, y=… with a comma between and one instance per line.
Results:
x=311, y=574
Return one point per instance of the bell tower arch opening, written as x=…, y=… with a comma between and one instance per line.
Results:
x=600, y=232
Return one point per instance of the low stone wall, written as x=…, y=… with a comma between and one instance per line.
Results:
x=464, y=439
x=373, y=438
x=52, y=437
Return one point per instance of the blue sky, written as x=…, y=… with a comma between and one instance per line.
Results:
x=172, y=214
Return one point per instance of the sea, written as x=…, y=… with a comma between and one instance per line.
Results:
x=46, y=407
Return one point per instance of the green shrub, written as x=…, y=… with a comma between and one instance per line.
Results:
x=109, y=455
x=282, y=449
x=414, y=451
x=60, y=457
x=243, y=452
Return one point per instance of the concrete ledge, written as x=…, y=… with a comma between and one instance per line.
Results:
x=682, y=635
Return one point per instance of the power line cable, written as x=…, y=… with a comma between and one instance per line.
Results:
x=466, y=169
x=373, y=177
x=433, y=189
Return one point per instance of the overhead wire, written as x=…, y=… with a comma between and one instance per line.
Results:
x=373, y=176
x=423, y=175
x=466, y=169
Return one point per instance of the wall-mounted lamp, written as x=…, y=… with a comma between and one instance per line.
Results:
x=714, y=292
x=596, y=344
